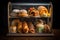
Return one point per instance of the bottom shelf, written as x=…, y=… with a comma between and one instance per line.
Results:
x=42, y=34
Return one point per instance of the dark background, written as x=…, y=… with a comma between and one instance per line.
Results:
x=3, y=12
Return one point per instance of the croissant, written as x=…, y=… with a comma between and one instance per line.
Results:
x=25, y=27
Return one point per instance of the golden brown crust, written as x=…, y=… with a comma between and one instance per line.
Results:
x=23, y=13
x=43, y=11
x=25, y=27
x=19, y=27
x=18, y=24
x=12, y=29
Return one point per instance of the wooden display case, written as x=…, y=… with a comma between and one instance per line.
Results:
x=35, y=15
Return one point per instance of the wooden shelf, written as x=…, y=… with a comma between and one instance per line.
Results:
x=36, y=34
x=29, y=17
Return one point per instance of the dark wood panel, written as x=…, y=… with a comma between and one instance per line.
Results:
x=55, y=37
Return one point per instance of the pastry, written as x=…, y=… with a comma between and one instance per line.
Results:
x=43, y=11
x=31, y=28
x=17, y=23
x=25, y=27
x=23, y=13
x=46, y=28
x=12, y=29
x=15, y=13
x=39, y=26
x=33, y=12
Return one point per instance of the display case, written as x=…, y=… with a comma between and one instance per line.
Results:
x=30, y=19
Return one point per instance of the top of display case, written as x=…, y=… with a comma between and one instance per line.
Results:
x=31, y=3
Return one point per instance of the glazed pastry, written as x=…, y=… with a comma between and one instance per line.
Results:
x=46, y=28
x=12, y=29
x=25, y=27
x=39, y=26
x=33, y=12
x=31, y=28
x=43, y=11
x=23, y=13
x=15, y=13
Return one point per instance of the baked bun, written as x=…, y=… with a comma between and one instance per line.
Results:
x=23, y=13
x=31, y=28
x=25, y=27
x=15, y=12
x=43, y=11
